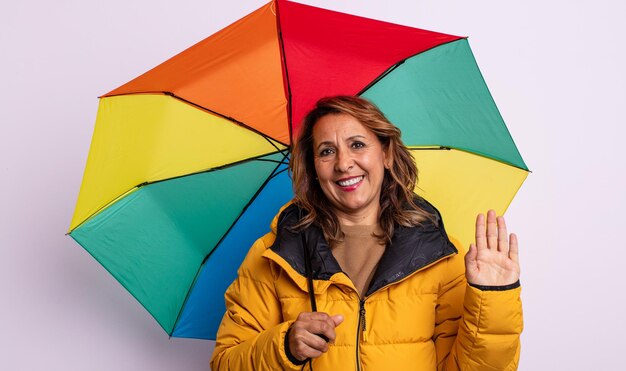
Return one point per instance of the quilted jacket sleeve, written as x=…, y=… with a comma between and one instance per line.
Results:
x=252, y=334
x=476, y=329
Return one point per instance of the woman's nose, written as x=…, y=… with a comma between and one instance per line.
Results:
x=344, y=161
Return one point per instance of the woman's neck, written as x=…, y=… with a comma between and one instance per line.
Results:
x=365, y=217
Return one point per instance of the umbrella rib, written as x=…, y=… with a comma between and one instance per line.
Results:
x=240, y=123
x=272, y=143
x=222, y=167
x=274, y=161
x=270, y=177
x=436, y=148
x=256, y=194
x=283, y=58
x=231, y=119
x=278, y=173
x=397, y=64
x=180, y=310
x=102, y=208
x=381, y=76
x=255, y=158
x=446, y=148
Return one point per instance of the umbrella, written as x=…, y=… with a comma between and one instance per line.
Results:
x=187, y=162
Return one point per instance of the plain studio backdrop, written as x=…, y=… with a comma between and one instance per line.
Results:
x=555, y=69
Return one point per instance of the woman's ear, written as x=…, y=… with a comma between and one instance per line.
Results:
x=388, y=160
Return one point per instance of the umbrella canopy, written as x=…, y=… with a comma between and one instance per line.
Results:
x=187, y=162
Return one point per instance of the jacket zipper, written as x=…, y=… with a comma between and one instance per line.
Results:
x=363, y=319
x=361, y=327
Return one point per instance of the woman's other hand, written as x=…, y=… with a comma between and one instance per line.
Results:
x=494, y=259
x=305, y=335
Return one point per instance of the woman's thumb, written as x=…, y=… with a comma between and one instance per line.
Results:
x=337, y=318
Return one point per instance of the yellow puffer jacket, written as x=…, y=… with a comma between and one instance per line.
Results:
x=418, y=313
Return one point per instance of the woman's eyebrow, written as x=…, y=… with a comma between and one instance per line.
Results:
x=325, y=143
x=331, y=143
x=357, y=136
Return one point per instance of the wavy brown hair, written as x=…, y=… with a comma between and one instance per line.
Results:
x=397, y=205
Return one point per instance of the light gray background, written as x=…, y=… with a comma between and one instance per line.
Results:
x=555, y=69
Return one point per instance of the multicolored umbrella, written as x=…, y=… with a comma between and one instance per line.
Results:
x=187, y=163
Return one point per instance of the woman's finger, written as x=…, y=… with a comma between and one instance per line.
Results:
x=481, y=234
x=471, y=266
x=492, y=230
x=325, y=328
x=318, y=323
x=300, y=346
x=303, y=344
x=513, y=248
x=470, y=256
x=315, y=342
x=308, y=352
x=503, y=241
x=314, y=316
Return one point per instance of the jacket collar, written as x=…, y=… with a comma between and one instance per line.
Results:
x=410, y=250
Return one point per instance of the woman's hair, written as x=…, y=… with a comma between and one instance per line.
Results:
x=397, y=205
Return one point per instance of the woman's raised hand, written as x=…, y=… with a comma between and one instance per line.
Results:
x=305, y=339
x=494, y=259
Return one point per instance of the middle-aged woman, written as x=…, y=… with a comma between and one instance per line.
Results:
x=358, y=272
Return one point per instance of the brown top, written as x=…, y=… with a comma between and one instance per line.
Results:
x=359, y=254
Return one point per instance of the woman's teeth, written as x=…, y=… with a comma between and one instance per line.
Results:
x=349, y=182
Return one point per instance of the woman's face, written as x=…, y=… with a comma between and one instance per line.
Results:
x=350, y=165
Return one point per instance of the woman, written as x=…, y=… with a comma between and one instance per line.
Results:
x=358, y=272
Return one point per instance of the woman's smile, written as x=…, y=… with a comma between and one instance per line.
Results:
x=350, y=184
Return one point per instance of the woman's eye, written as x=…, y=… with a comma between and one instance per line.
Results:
x=326, y=152
x=358, y=145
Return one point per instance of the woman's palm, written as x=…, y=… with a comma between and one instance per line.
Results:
x=494, y=259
